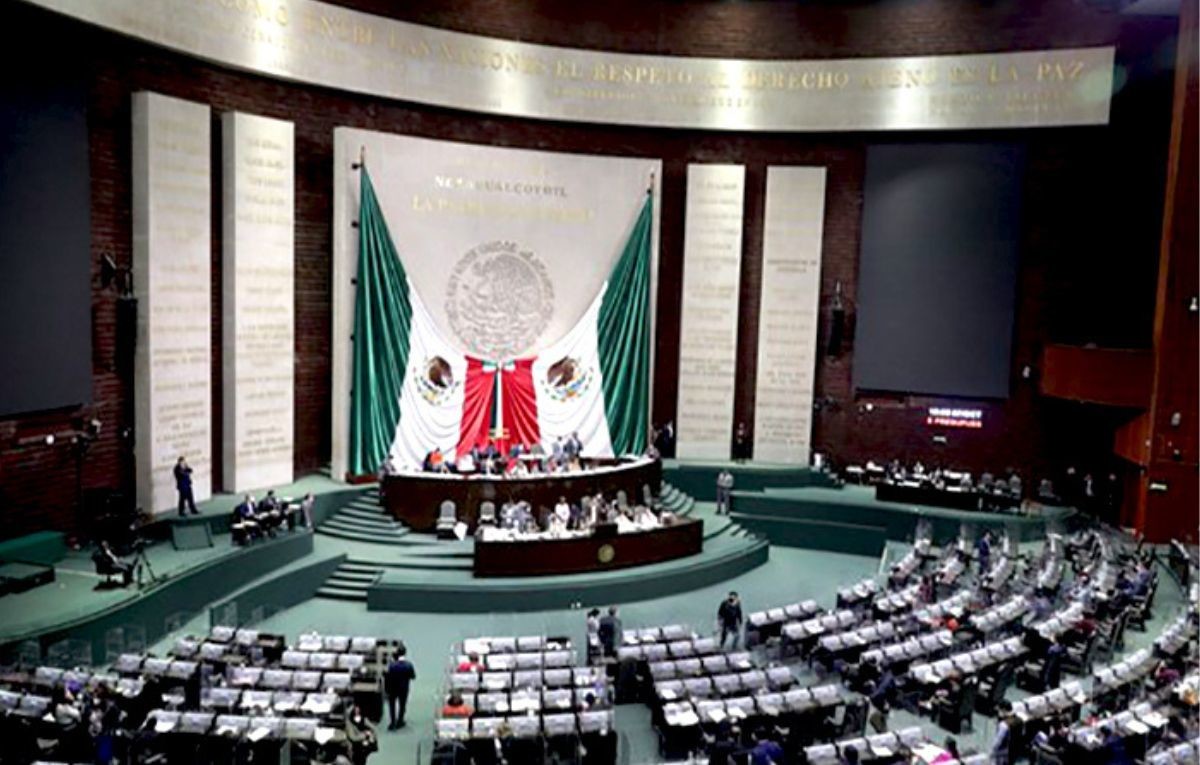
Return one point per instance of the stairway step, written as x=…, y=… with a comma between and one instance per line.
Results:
x=371, y=521
x=366, y=523
x=339, y=593
x=365, y=577
x=347, y=584
x=354, y=525
x=366, y=512
x=361, y=536
x=360, y=567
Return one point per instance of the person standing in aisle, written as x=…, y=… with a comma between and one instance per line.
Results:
x=729, y=619
x=396, y=683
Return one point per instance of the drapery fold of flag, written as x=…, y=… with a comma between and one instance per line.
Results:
x=415, y=392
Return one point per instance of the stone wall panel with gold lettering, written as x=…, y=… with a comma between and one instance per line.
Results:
x=172, y=223
x=787, y=337
x=258, y=317
x=708, y=341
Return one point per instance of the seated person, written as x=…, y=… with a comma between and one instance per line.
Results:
x=245, y=524
x=467, y=464
x=562, y=511
x=517, y=468
x=456, y=707
x=471, y=664
x=625, y=522
x=437, y=461
x=107, y=562
x=645, y=517
x=579, y=518
x=270, y=512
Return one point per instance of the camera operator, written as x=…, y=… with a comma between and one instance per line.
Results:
x=107, y=562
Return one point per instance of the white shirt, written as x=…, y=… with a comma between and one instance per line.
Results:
x=562, y=511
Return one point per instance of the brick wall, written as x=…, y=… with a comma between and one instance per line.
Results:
x=1090, y=235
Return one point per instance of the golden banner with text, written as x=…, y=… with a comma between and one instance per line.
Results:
x=321, y=44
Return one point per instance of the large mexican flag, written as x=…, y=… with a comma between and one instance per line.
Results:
x=413, y=391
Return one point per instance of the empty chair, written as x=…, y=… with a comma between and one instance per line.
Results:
x=350, y=661
x=780, y=678
x=447, y=520
x=294, y=659
x=276, y=679
x=487, y=513
x=715, y=665
x=333, y=682
x=727, y=685
x=557, y=698
x=557, y=678
x=669, y=690
x=323, y=662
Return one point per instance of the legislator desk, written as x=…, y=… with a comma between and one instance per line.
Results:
x=416, y=498
x=594, y=552
x=926, y=494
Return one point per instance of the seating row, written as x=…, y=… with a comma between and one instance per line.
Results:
x=562, y=677
x=525, y=725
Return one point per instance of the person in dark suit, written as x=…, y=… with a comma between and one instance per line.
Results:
x=183, y=484
x=609, y=632
x=106, y=560
x=729, y=617
x=396, y=682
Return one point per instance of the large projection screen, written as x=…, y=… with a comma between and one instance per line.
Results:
x=938, y=269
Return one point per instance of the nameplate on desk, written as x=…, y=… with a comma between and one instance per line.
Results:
x=322, y=44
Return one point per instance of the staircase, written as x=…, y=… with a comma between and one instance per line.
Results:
x=676, y=501
x=364, y=520
x=350, y=581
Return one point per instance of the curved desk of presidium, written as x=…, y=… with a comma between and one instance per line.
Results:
x=597, y=551
x=416, y=498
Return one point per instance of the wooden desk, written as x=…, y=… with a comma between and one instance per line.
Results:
x=416, y=498
x=934, y=497
x=573, y=555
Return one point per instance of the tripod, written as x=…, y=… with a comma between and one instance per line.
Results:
x=141, y=562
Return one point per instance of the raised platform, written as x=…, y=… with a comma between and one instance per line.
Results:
x=699, y=477
x=73, y=616
x=76, y=615
x=850, y=518
x=730, y=553
x=391, y=568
